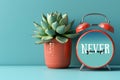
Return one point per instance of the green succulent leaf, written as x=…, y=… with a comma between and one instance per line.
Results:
x=36, y=32
x=39, y=42
x=54, y=25
x=46, y=38
x=44, y=25
x=51, y=18
x=56, y=13
x=67, y=28
x=50, y=32
x=64, y=20
x=70, y=35
x=72, y=31
x=61, y=39
x=36, y=24
x=44, y=18
x=59, y=17
x=61, y=29
x=37, y=36
x=65, y=16
x=39, y=29
x=40, y=32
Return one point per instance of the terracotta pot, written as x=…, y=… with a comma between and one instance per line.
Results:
x=57, y=55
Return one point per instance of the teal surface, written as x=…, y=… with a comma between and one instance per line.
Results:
x=16, y=16
x=95, y=51
x=43, y=73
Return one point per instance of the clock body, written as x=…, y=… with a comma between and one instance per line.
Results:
x=95, y=49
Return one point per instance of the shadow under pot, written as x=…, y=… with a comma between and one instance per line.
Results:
x=57, y=55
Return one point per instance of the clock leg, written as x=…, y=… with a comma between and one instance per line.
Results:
x=81, y=67
x=108, y=67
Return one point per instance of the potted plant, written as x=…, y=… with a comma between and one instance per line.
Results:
x=55, y=32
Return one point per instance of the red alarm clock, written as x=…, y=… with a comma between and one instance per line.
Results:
x=95, y=48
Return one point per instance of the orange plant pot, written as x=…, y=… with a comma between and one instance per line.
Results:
x=57, y=55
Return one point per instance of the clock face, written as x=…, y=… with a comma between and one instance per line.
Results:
x=95, y=49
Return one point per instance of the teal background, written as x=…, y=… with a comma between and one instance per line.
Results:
x=16, y=16
x=95, y=59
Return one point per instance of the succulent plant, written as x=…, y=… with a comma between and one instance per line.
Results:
x=54, y=26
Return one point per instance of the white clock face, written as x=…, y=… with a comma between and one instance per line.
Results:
x=95, y=49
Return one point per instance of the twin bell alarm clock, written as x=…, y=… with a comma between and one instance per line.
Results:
x=95, y=48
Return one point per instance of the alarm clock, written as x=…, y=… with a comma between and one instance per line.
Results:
x=95, y=48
